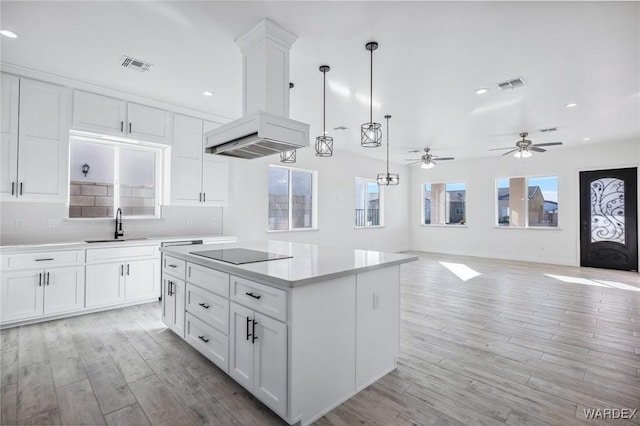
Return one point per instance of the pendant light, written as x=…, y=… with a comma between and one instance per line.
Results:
x=371, y=133
x=288, y=156
x=388, y=178
x=324, y=143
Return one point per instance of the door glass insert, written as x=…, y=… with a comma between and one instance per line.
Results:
x=607, y=210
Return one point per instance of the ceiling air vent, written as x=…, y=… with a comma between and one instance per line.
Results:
x=340, y=128
x=549, y=130
x=135, y=64
x=511, y=84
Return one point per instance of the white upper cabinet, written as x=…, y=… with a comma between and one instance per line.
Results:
x=34, y=159
x=197, y=178
x=110, y=116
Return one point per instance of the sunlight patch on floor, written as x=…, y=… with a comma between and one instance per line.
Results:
x=461, y=270
x=597, y=283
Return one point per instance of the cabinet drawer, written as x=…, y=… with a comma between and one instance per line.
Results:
x=42, y=259
x=208, y=341
x=210, y=308
x=115, y=254
x=208, y=279
x=174, y=266
x=262, y=298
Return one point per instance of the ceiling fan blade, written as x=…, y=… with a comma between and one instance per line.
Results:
x=536, y=149
x=513, y=150
x=415, y=162
x=547, y=144
x=445, y=158
x=498, y=149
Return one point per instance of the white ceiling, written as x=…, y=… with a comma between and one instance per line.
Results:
x=432, y=57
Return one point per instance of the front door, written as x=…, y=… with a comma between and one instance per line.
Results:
x=609, y=219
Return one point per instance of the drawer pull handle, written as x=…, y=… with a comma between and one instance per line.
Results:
x=204, y=305
x=254, y=295
x=43, y=259
x=203, y=339
x=172, y=266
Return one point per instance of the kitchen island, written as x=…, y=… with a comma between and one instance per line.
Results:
x=302, y=333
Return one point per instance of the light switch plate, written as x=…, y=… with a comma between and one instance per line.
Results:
x=55, y=223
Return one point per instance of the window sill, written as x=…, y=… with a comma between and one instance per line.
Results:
x=275, y=231
x=545, y=228
x=438, y=225
x=368, y=227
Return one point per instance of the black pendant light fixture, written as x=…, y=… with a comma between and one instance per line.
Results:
x=288, y=156
x=388, y=178
x=371, y=133
x=324, y=143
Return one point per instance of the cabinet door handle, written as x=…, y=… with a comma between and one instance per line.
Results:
x=121, y=126
x=40, y=285
x=255, y=296
x=129, y=127
x=47, y=278
x=20, y=188
x=169, y=291
x=204, y=305
x=13, y=188
x=248, y=321
x=204, y=197
x=253, y=335
x=200, y=196
x=203, y=339
x=44, y=258
x=127, y=269
x=122, y=270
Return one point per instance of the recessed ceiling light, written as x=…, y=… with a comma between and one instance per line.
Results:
x=571, y=105
x=9, y=34
x=481, y=91
x=207, y=93
x=586, y=139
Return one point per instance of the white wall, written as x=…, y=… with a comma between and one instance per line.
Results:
x=480, y=237
x=246, y=216
x=34, y=221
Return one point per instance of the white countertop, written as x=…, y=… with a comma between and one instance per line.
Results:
x=133, y=241
x=310, y=263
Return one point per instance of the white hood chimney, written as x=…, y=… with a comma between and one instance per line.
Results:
x=265, y=128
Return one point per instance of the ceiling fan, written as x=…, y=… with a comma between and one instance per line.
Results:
x=524, y=147
x=428, y=159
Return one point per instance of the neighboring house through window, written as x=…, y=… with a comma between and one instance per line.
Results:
x=368, y=204
x=444, y=204
x=292, y=199
x=538, y=208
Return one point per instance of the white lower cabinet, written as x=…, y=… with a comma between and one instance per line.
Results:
x=118, y=282
x=37, y=292
x=258, y=356
x=173, y=299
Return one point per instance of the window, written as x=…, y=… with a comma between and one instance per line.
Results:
x=368, y=209
x=292, y=199
x=444, y=204
x=527, y=202
x=118, y=175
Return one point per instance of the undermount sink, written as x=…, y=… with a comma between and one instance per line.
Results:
x=113, y=240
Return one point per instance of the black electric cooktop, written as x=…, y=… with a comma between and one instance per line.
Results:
x=239, y=256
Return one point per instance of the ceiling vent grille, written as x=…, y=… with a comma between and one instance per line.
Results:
x=512, y=84
x=549, y=130
x=135, y=64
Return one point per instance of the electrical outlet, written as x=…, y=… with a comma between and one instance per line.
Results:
x=189, y=221
x=19, y=223
x=213, y=221
x=55, y=223
x=376, y=301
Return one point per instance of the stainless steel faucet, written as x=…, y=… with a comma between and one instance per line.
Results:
x=119, y=231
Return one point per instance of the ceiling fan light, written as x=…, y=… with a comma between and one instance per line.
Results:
x=429, y=165
x=522, y=154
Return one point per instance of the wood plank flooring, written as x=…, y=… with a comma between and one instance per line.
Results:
x=517, y=344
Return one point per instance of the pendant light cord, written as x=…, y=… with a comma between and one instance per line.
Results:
x=324, y=103
x=371, y=90
x=387, y=147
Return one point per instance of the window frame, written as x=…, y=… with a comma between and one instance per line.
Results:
x=446, y=224
x=366, y=209
x=160, y=165
x=314, y=198
x=496, y=216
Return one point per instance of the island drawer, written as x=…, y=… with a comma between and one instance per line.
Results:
x=262, y=298
x=209, y=307
x=208, y=341
x=174, y=266
x=208, y=279
x=42, y=259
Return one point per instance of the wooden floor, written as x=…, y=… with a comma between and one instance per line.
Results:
x=483, y=342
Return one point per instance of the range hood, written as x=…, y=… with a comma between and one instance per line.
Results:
x=265, y=128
